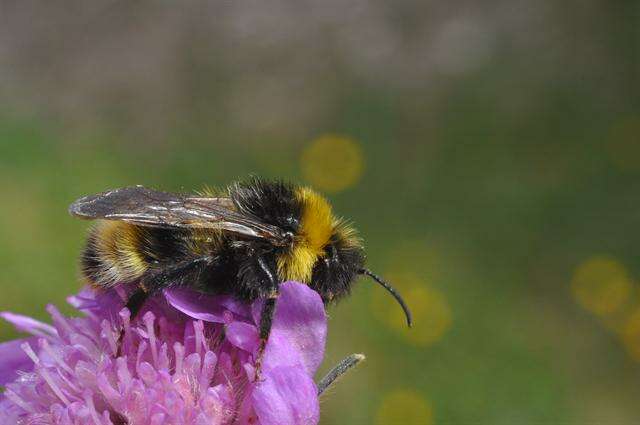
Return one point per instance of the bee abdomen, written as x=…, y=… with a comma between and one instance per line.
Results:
x=114, y=254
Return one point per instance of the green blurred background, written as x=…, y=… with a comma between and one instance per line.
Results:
x=489, y=153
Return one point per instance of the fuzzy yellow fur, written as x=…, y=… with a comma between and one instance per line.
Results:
x=316, y=227
x=346, y=233
x=117, y=247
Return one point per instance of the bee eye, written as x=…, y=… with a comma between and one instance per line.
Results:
x=330, y=255
x=292, y=222
x=334, y=253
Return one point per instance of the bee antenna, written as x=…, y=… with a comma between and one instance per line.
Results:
x=391, y=290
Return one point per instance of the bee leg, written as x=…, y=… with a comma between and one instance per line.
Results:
x=266, y=320
x=134, y=305
x=268, y=310
x=136, y=301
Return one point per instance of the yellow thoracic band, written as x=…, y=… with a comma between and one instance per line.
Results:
x=316, y=227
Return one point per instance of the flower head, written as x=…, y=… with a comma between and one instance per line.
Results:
x=189, y=358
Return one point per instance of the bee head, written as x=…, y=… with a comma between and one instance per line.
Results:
x=323, y=250
x=338, y=266
x=336, y=249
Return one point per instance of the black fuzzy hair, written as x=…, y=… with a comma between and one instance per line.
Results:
x=274, y=202
x=334, y=274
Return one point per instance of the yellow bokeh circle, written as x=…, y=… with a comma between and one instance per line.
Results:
x=404, y=407
x=432, y=315
x=630, y=334
x=416, y=255
x=332, y=163
x=601, y=285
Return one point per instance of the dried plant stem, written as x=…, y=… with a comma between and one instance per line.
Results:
x=338, y=371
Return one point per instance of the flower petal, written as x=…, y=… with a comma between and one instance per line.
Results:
x=243, y=335
x=14, y=359
x=300, y=317
x=280, y=353
x=29, y=325
x=286, y=396
x=193, y=304
x=104, y=304
x=209, y=308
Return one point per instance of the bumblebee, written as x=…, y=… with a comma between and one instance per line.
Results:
x=244, y=243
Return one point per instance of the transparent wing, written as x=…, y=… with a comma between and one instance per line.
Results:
x=147, y=207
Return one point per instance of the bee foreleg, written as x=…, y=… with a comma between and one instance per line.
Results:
x=266, y=320
x=268, y=310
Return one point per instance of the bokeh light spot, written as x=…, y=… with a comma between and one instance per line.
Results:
x=332, y=163
x=416, y=255
x=601, y=285
x=404, y=407
x=630, y=334
x=432, y=315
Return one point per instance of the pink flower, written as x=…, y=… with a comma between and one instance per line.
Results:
x=188, y=359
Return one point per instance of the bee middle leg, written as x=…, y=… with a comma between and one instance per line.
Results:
x=179, y=274
x=136, y=301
